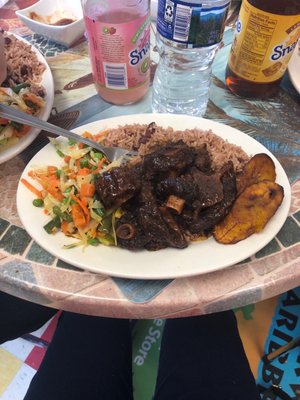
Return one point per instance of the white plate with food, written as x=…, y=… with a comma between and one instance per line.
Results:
x=198, y=257
x=294, y=68
x=31, y=77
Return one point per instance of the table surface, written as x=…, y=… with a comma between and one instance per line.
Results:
x=29, y=272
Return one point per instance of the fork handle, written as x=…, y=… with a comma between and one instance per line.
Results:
x=27, y=119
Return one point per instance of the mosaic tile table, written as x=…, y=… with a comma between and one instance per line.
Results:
x=29, y=272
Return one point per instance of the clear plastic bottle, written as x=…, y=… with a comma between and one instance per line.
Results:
x=119, y=44
x=188, y=36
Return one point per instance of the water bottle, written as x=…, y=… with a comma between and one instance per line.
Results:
x=188, y=35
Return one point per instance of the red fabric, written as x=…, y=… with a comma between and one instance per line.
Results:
x=37, y=354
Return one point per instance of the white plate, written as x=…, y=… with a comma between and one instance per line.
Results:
x=197, y=258
x=294, y=68
x=47, y=82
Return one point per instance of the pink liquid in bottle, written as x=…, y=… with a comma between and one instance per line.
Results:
x=119, y=45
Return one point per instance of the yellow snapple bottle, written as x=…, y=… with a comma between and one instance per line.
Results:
x=266, y=35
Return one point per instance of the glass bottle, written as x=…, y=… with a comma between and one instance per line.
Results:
x=266, y=35
x=119, y=45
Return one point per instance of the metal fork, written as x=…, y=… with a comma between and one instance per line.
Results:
x=12, y=114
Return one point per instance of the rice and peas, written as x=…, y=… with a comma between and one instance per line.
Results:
x=21, y=89
x=221, y=151
x=67, y=192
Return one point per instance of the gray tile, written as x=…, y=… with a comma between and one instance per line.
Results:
x=297, y=216
x=62, y=264
x=141, y=291
x=15, y=240
x=3, y=225
x=247, y=260
x=289, y=233
x=270, y=248
x=37, y=254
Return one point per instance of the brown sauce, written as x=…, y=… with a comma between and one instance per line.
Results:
x=63, y=21
x=47, y=20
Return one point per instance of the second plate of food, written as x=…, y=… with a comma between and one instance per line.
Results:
x=27, y=69
x=198, y=257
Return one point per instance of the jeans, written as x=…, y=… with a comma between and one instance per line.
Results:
x=201, y=358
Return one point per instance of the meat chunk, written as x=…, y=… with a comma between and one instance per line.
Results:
x=118, y=185
x=201, y=221
x=195, y=187
x=129, y=231
x=153, y=227
x=175, y=156
x=203, y=159
x=161, y=229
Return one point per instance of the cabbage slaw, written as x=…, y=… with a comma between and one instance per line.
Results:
x=22, y=98
x=68, y=194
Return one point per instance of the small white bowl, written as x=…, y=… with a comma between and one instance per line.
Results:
x=66, y=34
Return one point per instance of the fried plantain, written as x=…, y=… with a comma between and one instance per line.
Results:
x=251, y=211
x=260, y=167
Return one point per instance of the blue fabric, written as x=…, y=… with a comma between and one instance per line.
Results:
x=284, y=370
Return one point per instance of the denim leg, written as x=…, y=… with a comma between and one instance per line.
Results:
x=88, y=358
x=202, y=358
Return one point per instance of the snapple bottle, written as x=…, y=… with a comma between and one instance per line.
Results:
x=266, y=35
x=119, y=45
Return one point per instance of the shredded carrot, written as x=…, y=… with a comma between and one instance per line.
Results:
x=83, y=206
x=83, y=171
x=33, y=189
x=78, y=216
x=51, y=185
x=87, y=134
x=67, y=159
x=87, y=190
x=85, y=200
x=51, y=170
x=100, y=165
x=100, y=134
x=93, y=233
x=46, y=211
x=23, y=131
x=54, y=180
x=80, y=145
x=56, y=193
x=64, y=227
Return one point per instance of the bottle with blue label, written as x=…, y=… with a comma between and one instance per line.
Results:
x=188, y=35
